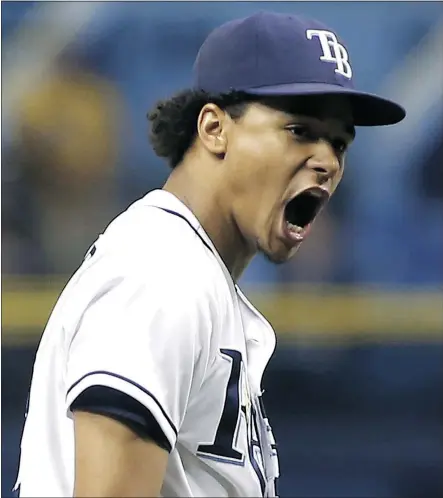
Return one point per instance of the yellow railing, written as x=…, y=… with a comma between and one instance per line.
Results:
x=304, y=313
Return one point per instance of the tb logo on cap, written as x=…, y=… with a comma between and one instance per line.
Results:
x=332, y=51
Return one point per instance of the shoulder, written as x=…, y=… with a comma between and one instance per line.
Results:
x=149, y=252
x=150, y=239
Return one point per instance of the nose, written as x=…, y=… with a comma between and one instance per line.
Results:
x=324, y=161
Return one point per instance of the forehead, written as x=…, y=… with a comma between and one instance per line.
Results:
x=322, y=107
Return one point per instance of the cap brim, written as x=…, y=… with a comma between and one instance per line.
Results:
x=367, y=109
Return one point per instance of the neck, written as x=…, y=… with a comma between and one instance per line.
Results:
x=202, y=194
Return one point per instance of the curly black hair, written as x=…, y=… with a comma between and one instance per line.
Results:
x=174, y=121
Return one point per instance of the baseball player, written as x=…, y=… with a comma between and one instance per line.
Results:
x=147, y=381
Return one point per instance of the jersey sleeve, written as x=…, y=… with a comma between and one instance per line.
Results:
x=147, y=337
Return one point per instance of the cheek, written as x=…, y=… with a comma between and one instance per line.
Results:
x=260, y=159
x=257, y=180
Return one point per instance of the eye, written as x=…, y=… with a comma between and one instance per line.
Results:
x=301, y=132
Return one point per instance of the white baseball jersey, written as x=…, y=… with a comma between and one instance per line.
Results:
x=153, y=313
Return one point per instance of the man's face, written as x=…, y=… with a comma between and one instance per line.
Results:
x=285, y=159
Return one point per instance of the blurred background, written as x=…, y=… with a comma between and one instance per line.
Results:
x=355, y=389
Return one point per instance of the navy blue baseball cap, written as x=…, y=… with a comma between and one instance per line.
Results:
x=270, y=54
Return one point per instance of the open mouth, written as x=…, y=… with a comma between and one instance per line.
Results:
x=304, y=207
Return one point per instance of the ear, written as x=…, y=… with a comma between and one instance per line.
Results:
x=212, y=126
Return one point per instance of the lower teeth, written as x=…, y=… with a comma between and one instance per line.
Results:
x=294, y=228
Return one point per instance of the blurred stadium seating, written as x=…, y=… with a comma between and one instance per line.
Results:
x=354, y=390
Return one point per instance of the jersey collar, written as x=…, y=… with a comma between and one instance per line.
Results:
x=170, y=203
